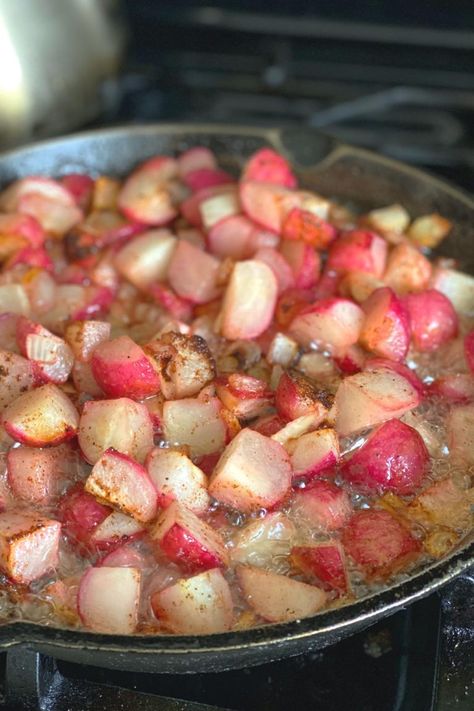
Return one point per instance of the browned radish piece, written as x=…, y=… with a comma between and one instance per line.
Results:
x=178, y=308
x=108, y=599
x=116, y=527
x=324, y=561
x=358, y=251
x=203, y=178
x=231, y=237
x=386, y=329
x=332, y=323
x=278, y=598
x=433, y=319
x=38, y=475
x=322, y=505
x=379, y=544
x=25, y=228
x=394, y=458
x=245, y=396
x=17, y=375
x=395, y=367
x=266, y=203
x=469, y=350
x=268, y=166
x=80, y=515
x=84, y=336
x=176, y=478
x=146, y=195
x=121, y=482
x=14, y=299
x=457, y=388
x=81, y=187
x=120, y=424
x=314, y=453
x=191, y=207
x=296, y=396
x=444, y=504
x=29, y=546
x=249, y=301
x=187, y=541
x=306, y=226
x=146, y=258
x=390, y=221
x=122, y=369
x=304, y=261
x=199, y=605
x=196, y=423
x=296, y=428
x=41, y=417
x=279, y=266
x=253, y=472
x=429, y=230
x=265, y=542
x=219, y=206
x=196, y=158
x=359, y=285
x=457, y=287
x=192, y=273
x=407, y=269
x=367, y=398
x=460, y=426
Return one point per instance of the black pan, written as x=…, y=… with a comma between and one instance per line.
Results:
x=332, y=169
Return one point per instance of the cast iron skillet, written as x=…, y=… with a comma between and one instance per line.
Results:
x=335, y=170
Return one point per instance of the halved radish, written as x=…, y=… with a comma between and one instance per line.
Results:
x=296, y=395
x=115, y=528
x=199, y=605
x=84, y=336
x=253, y=472
x=279, y=266
x=146, y=196
x=52, y=357
x=188, y=541
x=80, y=514
x=176, y=478
x=146, y=258
x=264, y=542
x=457, y=287
x=29, y=545
x=246, y=397
x=306, y=226
x=322, y=505
x=460, y=426
x=358, y=251
x=120, y=424
x=314, y=453
x=38, y=475
x=386, y=329
x=122, y=369
x=108, y=599
x=17, y=375
x=325, y=562
x=41, y=417
x=24, y=227
x=249, y=301
x=196, y=423
x=304, y=261
x=231, y=237
x=121, y=482
x=196, y=158
x=407, y=269
x=192, y=273
x=333, y=323
x=268, y=166
x=278, y=598
x=432, y=317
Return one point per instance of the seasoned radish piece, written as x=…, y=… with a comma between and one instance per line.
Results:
x=52, y=357
x=433, y=319
x=399, y=368
x=333, y=323
x=84, y=336
x=268, y=166
x=29, y=546
x=279, y=266
x=17, y=375
x=358, y=251
x=176, y=478
x=297, y=428
x=379, y=544
x=121, y=482
x=278, y=598
x=199, y=605
x=392, y=219
x=253, y=472
x=246, y=397
x=444, y=504
x=146, y=195
x=122, y=369
x=314, y=453
x=146, y=258
x=429, y=230
x=305, y=226
x=108, y=599
x=304, y=261
x=41, y=417
x=394, y=458
x=187, y=541
x=386, y=329
x=37, y=475
x=192, y=273
x=367, y=398
x=325, y=562
x=457, y=287
x=460, y=427
x=407, y=269
x=359, y=285
x=249, y=301
x=322, y=505
x=196, y=423
x=80, y=515
x=296, y=395
x=120, y=424
x=267, y=204
x=114, y=528
x=264, y=542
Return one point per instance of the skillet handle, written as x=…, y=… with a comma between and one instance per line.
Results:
x=306, y=147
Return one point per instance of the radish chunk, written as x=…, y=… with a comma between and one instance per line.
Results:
x=386, y=329
x=192, y=273
x=325, y=562
x=119, y=424
x=199, y=605
x=264, y=203
x=460, y=426
x=81, y=514
x=367, y=398
x=277, y=598
x=322, y=505
x=305, y=226
x=407, y=269
x=25, y=228
x=433, y=319
x=314, y=453
x=279, y=266
x=41, y=417
x=195, y=423
x=444, y=504
x=187, y=541
x=123, y=483
x=264, y=542
x=296, y=396
x=231, y=237
x=108, y=599
x=379, y=544
x=84, y=336
x=394, y=458
x=52, y=357
x=122, y=369
x=196, y=158
x=176, y=478
x=146, y=258
x=304, y=262
x=37, y=475
x=332, y=323
x=457, y=287
x=358, y=251
x=29, y=546
x=268, y=166
x=245, y=396
x=146, y=196
x=114, y=528
x=253, y=472
x=17, y=375
x=249, y=301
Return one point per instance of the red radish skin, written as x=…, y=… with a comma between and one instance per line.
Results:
x=195, y=423
x=322, y=505
x=122, y=369
x=196, y=158
x=123, y=483
x=386, y=329
x=268, y=166
x=81, y=514
x=23, y=226
x=190, y=207
x=407, y=270
x=296, y=396
x=203, y=178
x=358, y=251
x=108, y=599
x=394, y=458
x=145, y=196
x=254, y=472
x=17, y=375
x=352, y=360
x=277, y=598
x=146, y=258
x=469, y=350
x=333, y=323
x=379, y=544
x=188, y=541
x=37, y=475
x=201, y=604
x=80, y=186
x=307, y=227
x=433, y=319
x=29, y=546
x=192, y=273
x=32, y=258
x=263, y=542
x=176, y=478
x=457, y=388
x=304, y=261
x=315, y=453
x=324, y=562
